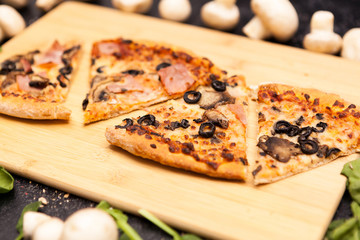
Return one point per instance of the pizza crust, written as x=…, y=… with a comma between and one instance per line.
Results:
x=140, y=146
x=33, y=109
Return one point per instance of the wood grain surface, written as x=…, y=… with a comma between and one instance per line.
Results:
x=78, y=159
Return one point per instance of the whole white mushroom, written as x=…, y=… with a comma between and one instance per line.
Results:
x=220, y=14
x=135, y=6
x=321, y=37
x=2, y=34
x=90, y=224
x=46, y=5
x=351, y=44
x=31, y=220
x=15, y=3
x=11, y=21
x=49, y=229
x=278, y=18
x=175, y=10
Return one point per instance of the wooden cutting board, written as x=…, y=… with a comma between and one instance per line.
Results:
x=78, y=159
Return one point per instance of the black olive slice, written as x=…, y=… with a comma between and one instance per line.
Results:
x=85, y=102
x=38, y=84
x=293, y=131
x=309, y=147
x=133, y=72
x=184, y=123
x=199, y=120
x=162, y=65
x=65, y=70
x=100, y=69
x=192, y=97
x=147, y=120
x=282, y=126
x=173, y=126
x=218, y=85
x=332, y=151
x=300, y=120
x=207, y=130
x=305, y=133
x=320, y=127
x=128, y=122
x=62, y=84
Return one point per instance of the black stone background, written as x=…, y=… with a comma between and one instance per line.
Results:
x=60, y=205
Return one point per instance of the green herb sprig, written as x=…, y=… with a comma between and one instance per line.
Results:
x=6, y=181
x=348, y=229
x=19, y=226
x=121, y=221
x=152, y=218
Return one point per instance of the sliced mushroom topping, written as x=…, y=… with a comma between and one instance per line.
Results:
x=211, y=99
x=9, y=80
x=68, y=54
x=95, y=80
x=38, y=82
x=217, y=118
x=278, y=148
x=7, y=66
x=100, y=93
x=322, y=151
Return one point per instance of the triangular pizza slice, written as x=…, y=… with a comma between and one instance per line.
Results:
x=35, y=85
x=204, y=131
x=126, y=75
x=300, y=129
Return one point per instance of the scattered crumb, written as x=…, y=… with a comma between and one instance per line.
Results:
x=66, y=195
x=43, y=200
x=30, y=182
x=44, y=190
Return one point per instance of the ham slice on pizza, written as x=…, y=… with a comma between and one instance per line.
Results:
x=126, y=75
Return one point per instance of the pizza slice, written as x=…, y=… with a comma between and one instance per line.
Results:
x=204, y=132
x=35, y=85
x=300, y=129
x=126, y=75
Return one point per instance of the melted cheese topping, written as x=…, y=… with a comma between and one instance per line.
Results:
x=342, y=131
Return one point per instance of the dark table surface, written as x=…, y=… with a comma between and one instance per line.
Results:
x=61, y=204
